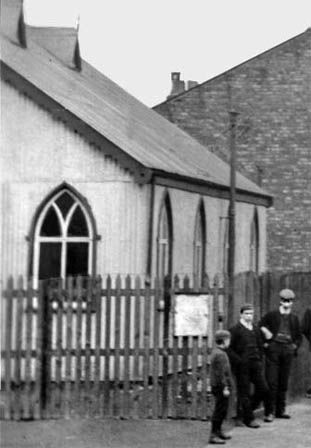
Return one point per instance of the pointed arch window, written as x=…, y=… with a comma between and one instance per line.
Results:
x=164, y=241
x=254, y=245
x=226, y=245
x=63, y=238
x=199, y=249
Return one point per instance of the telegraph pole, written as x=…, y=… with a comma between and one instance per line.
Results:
x=231, y=255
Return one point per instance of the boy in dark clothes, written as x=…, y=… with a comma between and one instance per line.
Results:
x=246, y=357
x=221, y=382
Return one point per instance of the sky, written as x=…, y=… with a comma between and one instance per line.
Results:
x=138, y=43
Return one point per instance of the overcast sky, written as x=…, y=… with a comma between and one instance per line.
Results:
x=138, y=43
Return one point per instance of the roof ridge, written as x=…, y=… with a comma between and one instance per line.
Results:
x=153, y=142
x=263, y=53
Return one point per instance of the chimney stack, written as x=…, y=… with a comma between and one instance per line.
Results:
x=178, y=86
x=191, y=84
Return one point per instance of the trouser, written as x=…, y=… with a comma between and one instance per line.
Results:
x=220, y=409
x=249, y=373
x=278, y=365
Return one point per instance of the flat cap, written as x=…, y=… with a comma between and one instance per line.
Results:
x=246, y=307
x=287, y=294
x=220, y=335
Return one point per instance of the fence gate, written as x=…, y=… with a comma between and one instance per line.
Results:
x=90, y=348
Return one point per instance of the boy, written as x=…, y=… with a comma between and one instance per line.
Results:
x=221, y=382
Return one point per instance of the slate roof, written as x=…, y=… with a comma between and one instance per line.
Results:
x=141, y=133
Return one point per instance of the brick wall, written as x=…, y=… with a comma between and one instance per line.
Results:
x=272, y=93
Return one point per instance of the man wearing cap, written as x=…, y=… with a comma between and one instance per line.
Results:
x=246, y=357
x=281, y=330
x=306, y=331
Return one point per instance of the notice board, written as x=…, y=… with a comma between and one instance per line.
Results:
x=191, y=314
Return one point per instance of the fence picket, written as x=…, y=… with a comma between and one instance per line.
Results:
x=146, y=362
x=37, y=406
x=68, y=347
x=194, y=378
x=107, y=349
x=57, y=403
x=175, y=364
x=155, y=372
x=126, y=363
x=28, y=408
x=87, y=365
x=204, y=377
x=117, y=378
x=98, y=328
x=136, y=356
x=8, y=348
x=18, y=348
x=78, y=344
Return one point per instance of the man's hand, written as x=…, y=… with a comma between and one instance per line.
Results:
x=226, y=392
x=267, y=333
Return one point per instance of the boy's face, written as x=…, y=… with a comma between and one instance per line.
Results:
x=248, y=315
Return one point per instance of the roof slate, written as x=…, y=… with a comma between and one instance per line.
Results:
x=141, y=133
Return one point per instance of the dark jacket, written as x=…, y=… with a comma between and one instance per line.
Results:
x=306, y=325
x=272, y=321
x=220, y=370
x=238, y=350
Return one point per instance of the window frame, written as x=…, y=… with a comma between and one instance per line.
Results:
x=200, y=223
x=35, y=239
x=254, y=244
x=165, y=210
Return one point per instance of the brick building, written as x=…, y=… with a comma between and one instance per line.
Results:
x=272, y=93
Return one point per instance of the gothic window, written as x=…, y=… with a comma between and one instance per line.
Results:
x=225, y=263
x=164, y=240
x=63, y=238
x=254, y=244
x=199, y=245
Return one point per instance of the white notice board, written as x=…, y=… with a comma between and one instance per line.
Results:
x=191, y=315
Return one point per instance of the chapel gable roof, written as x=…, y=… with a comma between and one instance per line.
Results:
x=136, y=136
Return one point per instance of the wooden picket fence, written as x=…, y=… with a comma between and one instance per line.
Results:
x=105, y=348
x=85, y=348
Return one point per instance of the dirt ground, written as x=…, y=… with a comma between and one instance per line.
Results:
x=112, y=433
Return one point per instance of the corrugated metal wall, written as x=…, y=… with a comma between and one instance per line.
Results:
x=41, y=153
x=120, y=206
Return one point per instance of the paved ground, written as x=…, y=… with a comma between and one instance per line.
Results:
x=294, y=433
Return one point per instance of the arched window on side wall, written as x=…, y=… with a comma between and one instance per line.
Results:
x=254, y=244
x=225, y=244
x=165, y=240
x=63, y=237
x=199, y=246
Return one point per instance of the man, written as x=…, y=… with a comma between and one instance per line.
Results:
x=282, y=332
x=246, y=356
x=306, y=331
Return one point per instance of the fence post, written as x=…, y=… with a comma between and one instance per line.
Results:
x=167, y=306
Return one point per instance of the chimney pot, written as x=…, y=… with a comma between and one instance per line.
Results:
x=178, y=86
x=191, y=84
x=175, y=76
